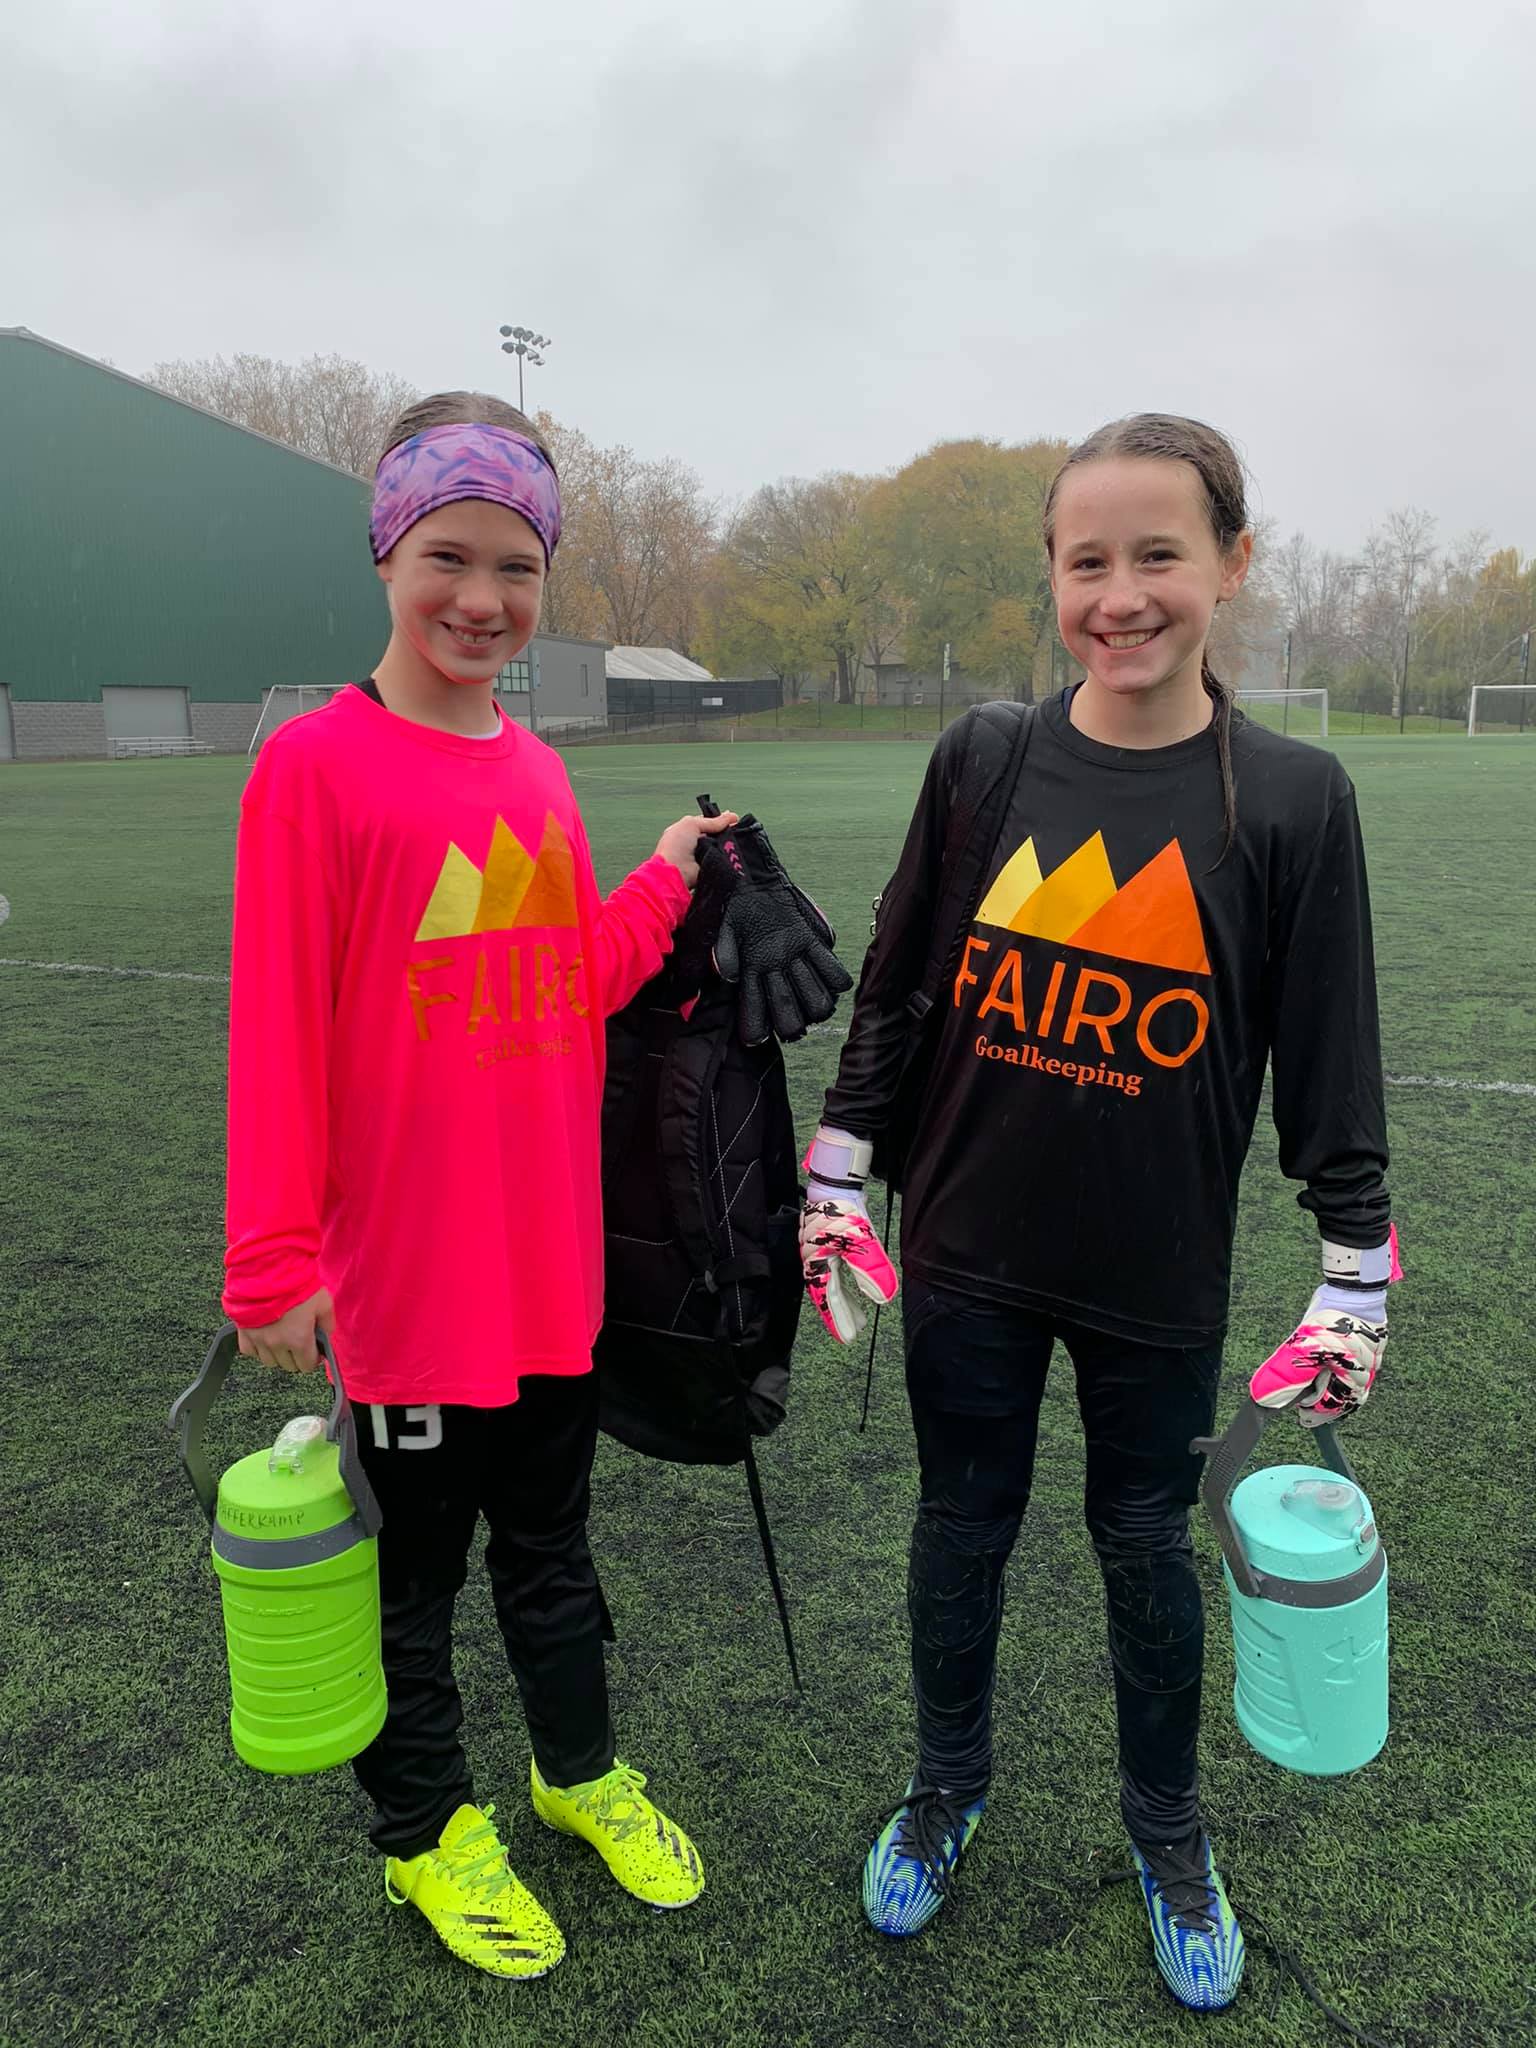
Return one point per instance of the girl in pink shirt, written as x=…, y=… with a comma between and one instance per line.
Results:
x=422, y=967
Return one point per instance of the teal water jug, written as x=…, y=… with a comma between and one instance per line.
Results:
x=1307, y=1580
x=295, y=1550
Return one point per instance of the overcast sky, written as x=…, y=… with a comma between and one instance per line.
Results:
x=822, y=234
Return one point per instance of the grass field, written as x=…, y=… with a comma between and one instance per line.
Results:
x=156, y=1891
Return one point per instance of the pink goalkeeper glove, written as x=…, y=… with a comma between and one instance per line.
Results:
x=1327, y=1366
x=840, y=1254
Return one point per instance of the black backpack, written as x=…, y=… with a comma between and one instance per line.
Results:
x=701, y=1215
x=992, y=740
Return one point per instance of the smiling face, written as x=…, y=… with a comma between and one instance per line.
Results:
x=1137, y=572
x=465, y=585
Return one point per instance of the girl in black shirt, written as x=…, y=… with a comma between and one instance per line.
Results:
x=1177, y=898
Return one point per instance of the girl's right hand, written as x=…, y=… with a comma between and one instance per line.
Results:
x=679, y=842
x=289, y=1344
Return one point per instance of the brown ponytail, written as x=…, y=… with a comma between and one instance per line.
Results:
x=1222, y=713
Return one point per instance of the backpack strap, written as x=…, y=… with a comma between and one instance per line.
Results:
x=988, y=775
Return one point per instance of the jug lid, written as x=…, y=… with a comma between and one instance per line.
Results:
x=293, y=1487
x=1298, y=1523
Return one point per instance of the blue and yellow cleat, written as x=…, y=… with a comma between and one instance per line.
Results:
x=909, y=1871
x=1196, y=1940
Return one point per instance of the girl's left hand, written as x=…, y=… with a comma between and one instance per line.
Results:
x=679, y=842
x=1325, y=1369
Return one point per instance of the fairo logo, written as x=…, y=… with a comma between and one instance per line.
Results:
x=1152, y=920
x=1168, y=1029
x=510, y=980
x=500, y=984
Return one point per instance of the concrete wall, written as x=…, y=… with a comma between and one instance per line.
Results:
x=226, y=727
x=7, y=737
x=58, y=731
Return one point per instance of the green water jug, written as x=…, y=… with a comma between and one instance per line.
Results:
x=1307, y=1580
x=295, y=1549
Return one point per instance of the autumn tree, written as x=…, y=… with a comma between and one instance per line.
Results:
x=802, y=575
x=327, y=406
x=958, y=535
x=1471, y=628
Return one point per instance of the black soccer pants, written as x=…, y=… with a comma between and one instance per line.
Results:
x=527, y=1469
x=975, y=1376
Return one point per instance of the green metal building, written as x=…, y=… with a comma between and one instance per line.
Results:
x=160, y=567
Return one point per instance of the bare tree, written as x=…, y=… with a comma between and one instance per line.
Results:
x=1316, y=592
x=637, y=541
x=643, y=532
x=328, y=406
x=1397, y=561
x=572, y=604
x=1246, y=631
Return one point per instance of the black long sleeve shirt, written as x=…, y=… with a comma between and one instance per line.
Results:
x=1099, y=1067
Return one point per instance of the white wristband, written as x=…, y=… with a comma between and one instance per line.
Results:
x=1346, y=1265
x=838, y=1155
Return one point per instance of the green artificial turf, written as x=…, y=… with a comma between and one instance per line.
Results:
x=154, y=1890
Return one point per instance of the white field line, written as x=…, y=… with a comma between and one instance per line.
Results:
x=1448, y=1081
x=815, y=1030
x=129, y=973
x=1392, y=1080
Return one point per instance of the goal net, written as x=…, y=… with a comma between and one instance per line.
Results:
x=287, y=700
x=1303, y=712
x=1501, y=708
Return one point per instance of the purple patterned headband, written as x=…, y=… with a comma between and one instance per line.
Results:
x=447, y=464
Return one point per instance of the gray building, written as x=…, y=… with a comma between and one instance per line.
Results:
x=558, y=686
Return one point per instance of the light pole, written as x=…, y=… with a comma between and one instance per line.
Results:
x=523, y=342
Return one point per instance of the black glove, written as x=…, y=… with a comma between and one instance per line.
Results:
x=774, y=945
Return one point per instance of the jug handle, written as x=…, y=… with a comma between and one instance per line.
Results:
x=1228, y=1454
x=189, y=1417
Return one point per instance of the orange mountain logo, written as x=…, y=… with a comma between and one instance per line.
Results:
x=515, y=890
x=1152, y=918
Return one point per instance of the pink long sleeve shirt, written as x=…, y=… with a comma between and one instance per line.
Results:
x=421, y=970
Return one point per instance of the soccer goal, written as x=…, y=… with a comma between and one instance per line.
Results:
x=1501, y=708
x=286, y=700
x=1303, y=712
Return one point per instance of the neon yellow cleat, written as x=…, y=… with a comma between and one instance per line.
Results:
x=648, y=1854
x=466, y=1888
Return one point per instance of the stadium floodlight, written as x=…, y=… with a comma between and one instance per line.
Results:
x=527, y=346
x=1304, y=712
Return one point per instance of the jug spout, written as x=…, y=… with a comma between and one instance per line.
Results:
x=1330, y=1505
x=296, y=1441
